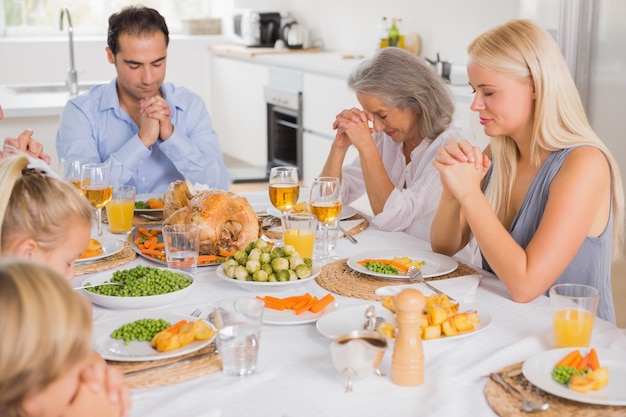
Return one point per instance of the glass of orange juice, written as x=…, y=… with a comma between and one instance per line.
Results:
x=300, y=233
x=574, y=308
x=121, y=209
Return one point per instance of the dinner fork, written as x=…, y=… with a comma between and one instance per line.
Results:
x=197, y=312
x=415, y=274
x=528, y=406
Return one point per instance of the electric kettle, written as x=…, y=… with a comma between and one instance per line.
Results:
x=293, y=35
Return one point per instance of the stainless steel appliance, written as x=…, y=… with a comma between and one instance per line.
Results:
x=283, y=96
x=293, y=35
x=257, y=29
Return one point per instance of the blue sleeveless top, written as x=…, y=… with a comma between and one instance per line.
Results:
x=592, y=263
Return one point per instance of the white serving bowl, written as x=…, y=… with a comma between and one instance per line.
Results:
x=117, y=302
x=257, y=286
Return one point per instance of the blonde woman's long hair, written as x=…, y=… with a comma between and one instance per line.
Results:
x=34, y=205
x=524, y=50
x=45, y=328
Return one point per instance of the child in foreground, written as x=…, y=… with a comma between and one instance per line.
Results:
x=41, y=368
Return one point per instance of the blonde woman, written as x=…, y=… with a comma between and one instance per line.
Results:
x=45, y=219
x=41, y=368
x=553, y=203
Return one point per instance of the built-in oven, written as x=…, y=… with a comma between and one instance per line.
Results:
x=284, y=127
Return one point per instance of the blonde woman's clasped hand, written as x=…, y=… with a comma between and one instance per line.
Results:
x=461, y=166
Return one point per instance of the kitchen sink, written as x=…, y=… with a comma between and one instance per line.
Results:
x=52, y=88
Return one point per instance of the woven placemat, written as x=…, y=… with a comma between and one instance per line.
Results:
x=339, y=278
x=124, y=256
x=268, y=224
x=154, y=374
x=506, y=404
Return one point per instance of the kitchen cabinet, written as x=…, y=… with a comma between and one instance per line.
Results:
x=322, y=98
x=238, y=108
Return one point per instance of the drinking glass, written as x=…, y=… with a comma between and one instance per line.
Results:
x=574, y=307
x=95, y=180
x=284, y=189
x=70, y=170
x=325, y=204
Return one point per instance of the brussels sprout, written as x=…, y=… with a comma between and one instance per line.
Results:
x=272, y=277
x=241, y=257
x=267, y=268
x=255, y=254
x=267, y=248
x=308, y=262
x=295, y=260
x=277, y=252
x=260, y=276
x=230, y=271
x=229, y=262
x=278, y=264
x=303, y=271
x=292, y=275
x=282, y=275
x=289, y=250
x=265, y=258
x=241, y=273
x=252, y=266
x=260, y=243
x=249, y=247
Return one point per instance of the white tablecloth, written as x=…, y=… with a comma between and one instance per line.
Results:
x=295, y=376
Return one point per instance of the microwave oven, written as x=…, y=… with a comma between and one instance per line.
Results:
x=257, y=29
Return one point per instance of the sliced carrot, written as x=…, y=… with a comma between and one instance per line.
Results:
x=152, y=252
x=208, y=259
x=90, y=253
x=305, y=299
x=273, y=305
x=399, y=266
x=175, y=327
x=594, y=362
x=322, y=303
x=568, y=359
x=577, y=361
x=307, y=306
x=584, y=363
x=226, y=253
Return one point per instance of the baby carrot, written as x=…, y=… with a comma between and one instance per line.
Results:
x=307, y=306
x=568, y=359
x=322, y=303
x=594, y=362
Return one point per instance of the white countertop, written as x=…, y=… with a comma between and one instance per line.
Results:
x=295, y=375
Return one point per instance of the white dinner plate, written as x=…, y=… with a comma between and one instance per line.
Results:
x=286, y=317
x=116, y=350
x=258, y=287
x=538, y=370
x=118, y=302
x=133, y=236
x=110, y=246
x=145, y=198
x=346, y=212
x=435, y=263
x=344, y=320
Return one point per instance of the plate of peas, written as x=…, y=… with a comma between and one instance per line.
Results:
x=138, y=287
x=381, y=263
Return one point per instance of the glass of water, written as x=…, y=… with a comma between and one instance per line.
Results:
x=182, y=245
x=238, y=321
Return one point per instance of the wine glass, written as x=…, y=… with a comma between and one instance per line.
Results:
x=96, y=183
x=70, y=170
x=325, y=206
x=284, y=189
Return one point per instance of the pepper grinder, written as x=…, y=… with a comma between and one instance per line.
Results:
x=407, y=361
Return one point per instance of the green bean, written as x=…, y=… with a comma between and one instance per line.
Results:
x=141, y=330
x=142, y=281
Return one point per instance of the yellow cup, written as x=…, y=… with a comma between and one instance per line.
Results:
x=574, y=308
x=300, y=233
x=121, y=209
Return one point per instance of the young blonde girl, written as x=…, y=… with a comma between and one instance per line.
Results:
x=41, y=217
x=45, y=346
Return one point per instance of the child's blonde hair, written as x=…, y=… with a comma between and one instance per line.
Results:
x=45, y=328
x=34, y=205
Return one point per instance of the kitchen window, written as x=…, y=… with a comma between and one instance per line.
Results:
x=89, y=17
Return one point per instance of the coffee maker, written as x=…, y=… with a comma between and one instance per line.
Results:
x=257, y=29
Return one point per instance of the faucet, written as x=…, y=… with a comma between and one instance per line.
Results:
x=72, y=76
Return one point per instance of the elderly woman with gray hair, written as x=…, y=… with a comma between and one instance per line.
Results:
x=406, y=115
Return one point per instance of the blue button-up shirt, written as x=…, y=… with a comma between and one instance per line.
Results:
x=94, y=128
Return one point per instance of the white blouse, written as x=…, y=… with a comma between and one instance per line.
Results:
x=412, y=204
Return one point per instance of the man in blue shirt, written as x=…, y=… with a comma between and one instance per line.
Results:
x=152, y=132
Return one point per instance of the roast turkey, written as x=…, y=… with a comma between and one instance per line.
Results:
x=227, y=220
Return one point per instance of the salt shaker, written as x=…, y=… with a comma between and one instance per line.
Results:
x=407, y=361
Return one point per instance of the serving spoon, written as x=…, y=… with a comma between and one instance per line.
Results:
x=97, y=285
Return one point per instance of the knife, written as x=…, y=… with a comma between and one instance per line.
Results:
x=167, y=365
x=346, y=234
